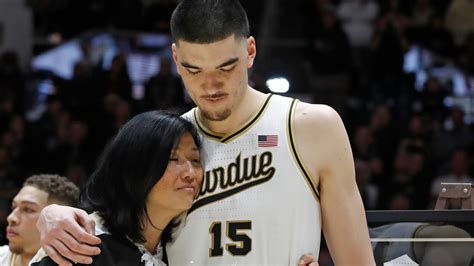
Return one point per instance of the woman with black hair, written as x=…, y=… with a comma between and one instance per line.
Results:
x=146, y=180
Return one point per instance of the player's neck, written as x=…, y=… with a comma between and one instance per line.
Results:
x=23, y=259
x=248, y=107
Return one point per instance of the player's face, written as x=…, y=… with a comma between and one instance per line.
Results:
x=215, y=74
x=23, y=237
x=181, y=181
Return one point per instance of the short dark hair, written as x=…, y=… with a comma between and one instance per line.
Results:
x=131, y=164
x=207, y=21
x=59, y=188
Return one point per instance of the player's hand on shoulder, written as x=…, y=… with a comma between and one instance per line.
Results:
x=67, y=233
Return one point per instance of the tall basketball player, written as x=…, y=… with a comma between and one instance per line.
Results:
x=277, y=171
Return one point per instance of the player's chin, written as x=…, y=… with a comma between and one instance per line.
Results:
x=220, y=114
x=15, y=246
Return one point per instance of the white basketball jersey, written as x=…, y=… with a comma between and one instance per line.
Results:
x=257, y=204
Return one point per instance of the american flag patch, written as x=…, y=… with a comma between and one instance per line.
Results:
x=267, y=140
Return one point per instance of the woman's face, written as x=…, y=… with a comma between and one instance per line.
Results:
x=180, y=183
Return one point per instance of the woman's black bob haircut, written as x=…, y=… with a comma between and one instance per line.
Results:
x=131, y=164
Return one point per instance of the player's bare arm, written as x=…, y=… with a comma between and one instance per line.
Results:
x=66, y=235
x=325, y=150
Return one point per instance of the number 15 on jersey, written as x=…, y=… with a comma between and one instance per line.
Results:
x=241, y=243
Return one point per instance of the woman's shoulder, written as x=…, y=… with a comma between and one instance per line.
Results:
x=114, y=251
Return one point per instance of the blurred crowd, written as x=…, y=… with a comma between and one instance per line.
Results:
x=405, y=141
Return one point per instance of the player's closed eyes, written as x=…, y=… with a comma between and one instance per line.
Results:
x=193, y=71
x=229, y=69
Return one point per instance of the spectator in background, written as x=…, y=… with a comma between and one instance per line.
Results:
x=6, y=112
x=77, y=174
x=164, y=90
x=368, y=191
x=459, y=19
x=12, y=80
x=364, y=149
x=384, y=133
x=418, y=132
x=466, y=54
x=388, y=49
x=431, y=99
x=10, y=183
x=421, y=13
x=409, y=179
x=54, y=139
x=453, y=134
x=9, y=177
x=19, y=144
x=123, y=113
x=459, y=172
x=357, y=18
x=258, y=82
x=158, y=13
x=120, y=114
x=419, y=18
x=363, y=143
x=330, y=48
x=37, y=192
x=117, y=80
x=81, y=94
x=115, y=113
x=437, y=38
x=400, y=201
x=74, y=149
x=331, y=60
x=46, y=125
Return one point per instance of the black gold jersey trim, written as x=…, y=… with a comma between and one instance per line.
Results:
x=12, y=259
x=295, y=154
x=202, y=129
x=227, y=138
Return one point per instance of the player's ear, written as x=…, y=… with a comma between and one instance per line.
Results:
x=251, y=51
x=175, y=57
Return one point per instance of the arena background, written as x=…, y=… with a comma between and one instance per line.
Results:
x=400, y=73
